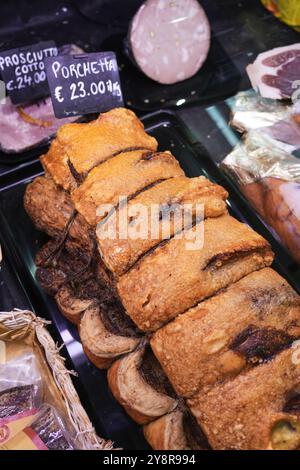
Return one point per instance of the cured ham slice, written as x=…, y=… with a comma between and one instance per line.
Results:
x=27, y=127
x=276, y=73
x=33, y=124
x=170, y=40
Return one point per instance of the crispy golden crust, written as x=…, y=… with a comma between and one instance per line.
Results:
x=101, y=343
x=89, y=144
x=55, y=163
x=202, y=346
x=49, y=207
x=170, y=197
x=249, y=411
x=141, y=401
x=212, y=352
x=167, y=433
x=173, y=278
x=123, y=175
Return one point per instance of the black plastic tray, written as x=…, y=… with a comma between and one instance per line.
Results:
x=12, y=293
x=22, y=241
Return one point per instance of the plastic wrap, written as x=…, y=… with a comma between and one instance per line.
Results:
x=47, y=432
x=169, y=40
x=269, y=178
x=270, y=118
x=21, y=332
x=20, y=395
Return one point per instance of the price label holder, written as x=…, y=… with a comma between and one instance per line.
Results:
x=84, y=83
x=23, y=71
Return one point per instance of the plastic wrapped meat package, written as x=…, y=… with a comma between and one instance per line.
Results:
x=20, y=395
x=46, y=432
x=25, y=422
x=269, y=177
x=39, y=407
x=274, y=119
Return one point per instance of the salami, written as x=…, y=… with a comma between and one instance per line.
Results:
x=170, y=39
x=276, y=73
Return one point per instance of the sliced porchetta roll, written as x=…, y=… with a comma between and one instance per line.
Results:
x=57, y=267
x=159, y=212
x=139, y=384
x=80, y=236
x=247, y=323
x=51, y=210
x=106, y=333
x=181, y=272
x=82, y=146
x=177, y=430
x=122, y=176
x=257, y=410
x=49, y=207
x=70, y=305
x=84, y=291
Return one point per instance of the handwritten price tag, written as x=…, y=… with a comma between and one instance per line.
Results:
x=84, y=83
x=23, y=71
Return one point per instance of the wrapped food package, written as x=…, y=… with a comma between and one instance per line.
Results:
x=269, y=177
x=39, y=406
x=20, y=395
x=275, y=119
x=47, y=432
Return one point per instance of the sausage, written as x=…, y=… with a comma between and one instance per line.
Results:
x=170, y=40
